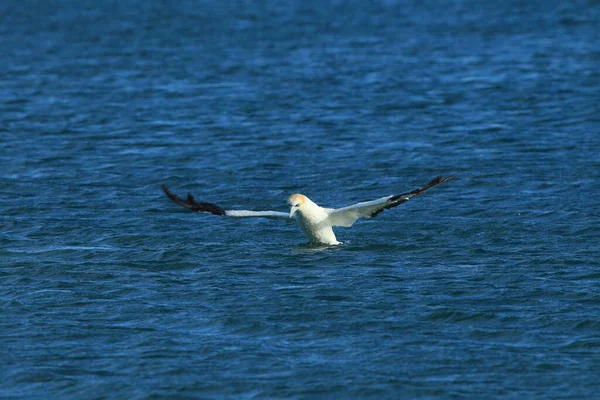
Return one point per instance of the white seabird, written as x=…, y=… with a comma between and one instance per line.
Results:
x=316, y=222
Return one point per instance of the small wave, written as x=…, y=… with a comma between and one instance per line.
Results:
x=49, y=249
x=449, y=315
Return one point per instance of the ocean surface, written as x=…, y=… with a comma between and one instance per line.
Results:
x=485, y=287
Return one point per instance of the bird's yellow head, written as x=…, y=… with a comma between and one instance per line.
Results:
x=296, y=201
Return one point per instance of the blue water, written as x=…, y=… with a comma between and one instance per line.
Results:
x=484, y=287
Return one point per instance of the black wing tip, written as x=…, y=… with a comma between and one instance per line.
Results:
x=166, y=191
x=191, y=204
x=434, y=182
x=404, y=197
x=440, y=179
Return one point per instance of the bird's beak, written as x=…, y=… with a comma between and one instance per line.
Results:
x=293, y=211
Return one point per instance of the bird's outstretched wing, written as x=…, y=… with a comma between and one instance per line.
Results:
x=369, y=209
x=202, y=206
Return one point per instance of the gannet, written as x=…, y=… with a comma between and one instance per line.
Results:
x=316, y=222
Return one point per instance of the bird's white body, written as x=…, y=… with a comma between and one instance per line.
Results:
x=316, y=222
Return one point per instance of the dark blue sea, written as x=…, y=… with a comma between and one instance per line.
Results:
x=485, y=287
